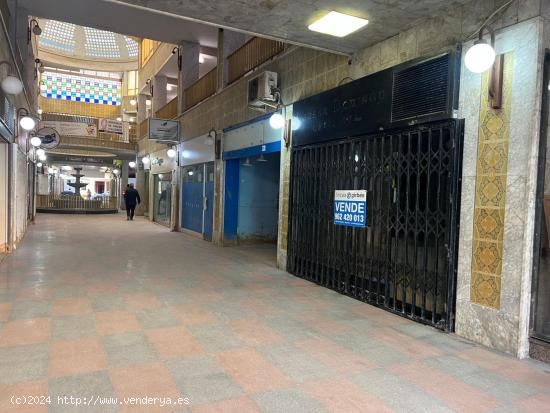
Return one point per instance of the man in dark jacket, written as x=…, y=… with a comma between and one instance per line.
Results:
x=131, y=199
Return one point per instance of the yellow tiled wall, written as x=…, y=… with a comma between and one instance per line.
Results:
x=79, y=108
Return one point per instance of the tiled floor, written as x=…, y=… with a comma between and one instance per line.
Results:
x=98, y=307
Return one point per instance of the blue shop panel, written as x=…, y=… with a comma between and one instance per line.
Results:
x=231, y=202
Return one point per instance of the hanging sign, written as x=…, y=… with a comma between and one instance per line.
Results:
x=49, y=137
x=111, y=126
x=81, y=129
x=350, y=208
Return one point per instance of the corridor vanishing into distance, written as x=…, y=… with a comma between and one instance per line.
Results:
x=99, y=307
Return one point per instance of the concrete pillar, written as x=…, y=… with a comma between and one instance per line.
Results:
x=231, y=41
x=142, y=108
x=159, y=92
x=189, y=72
x=123, y=182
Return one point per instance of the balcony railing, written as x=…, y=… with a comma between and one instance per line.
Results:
x=76, y=141
x=250, y=55
x=76, y=204
x=204, y=87
x=168, y=111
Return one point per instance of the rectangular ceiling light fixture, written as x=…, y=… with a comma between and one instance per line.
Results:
x=338, y=24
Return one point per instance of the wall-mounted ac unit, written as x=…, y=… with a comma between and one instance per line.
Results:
x=261, y=90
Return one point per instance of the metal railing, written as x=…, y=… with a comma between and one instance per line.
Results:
x=168, y=111
x=250, y=55
x=75, y=202
x=204, y=87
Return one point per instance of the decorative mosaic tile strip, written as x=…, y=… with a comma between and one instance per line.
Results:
x=80, y=89
x=490, y=195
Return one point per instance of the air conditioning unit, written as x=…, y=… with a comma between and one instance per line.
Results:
x=260, y=90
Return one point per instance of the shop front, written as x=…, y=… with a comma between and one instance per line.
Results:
x=197, y=186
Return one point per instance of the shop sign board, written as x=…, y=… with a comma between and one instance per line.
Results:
x=164, y=130
x=350, y=208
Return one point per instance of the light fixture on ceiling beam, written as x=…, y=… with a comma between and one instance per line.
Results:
x=338, y=24
x=481, y=56
x=11, y=84
x=177, y=50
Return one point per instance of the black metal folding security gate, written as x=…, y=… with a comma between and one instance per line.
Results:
x=405, y=260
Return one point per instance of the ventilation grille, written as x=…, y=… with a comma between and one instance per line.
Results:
x=421, y=90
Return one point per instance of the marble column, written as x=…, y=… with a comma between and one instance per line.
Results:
x=189, y=72
x=159, y=92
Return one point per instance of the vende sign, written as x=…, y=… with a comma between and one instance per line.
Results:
x=350, y=208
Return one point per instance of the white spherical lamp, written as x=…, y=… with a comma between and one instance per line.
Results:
x=276, y=121
x=42, y=157
x=132, y=164
x=40, y=152
x=36, y=141
x=39, y=165
x=12, y=85
x=171, y=153
x=480, y=57
x=27, y=122
x=145, y=160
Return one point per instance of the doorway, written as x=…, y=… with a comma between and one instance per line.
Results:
x=162, y=199
x=197, y=198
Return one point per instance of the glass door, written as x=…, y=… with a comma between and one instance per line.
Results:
x=162, y=205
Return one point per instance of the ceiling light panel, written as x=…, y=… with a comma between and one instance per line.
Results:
x=338, y=24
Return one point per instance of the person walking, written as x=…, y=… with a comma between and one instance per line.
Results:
x=131, y=199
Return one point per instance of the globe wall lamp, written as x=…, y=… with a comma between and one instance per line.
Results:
x=277, y=120
x=481, y=56
x=26, y=120
x=34, y=28
x=132, y=164
x=11, y=84
x=171, y=153
x=145, y=160
x=36, y=141
x=211, y=137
